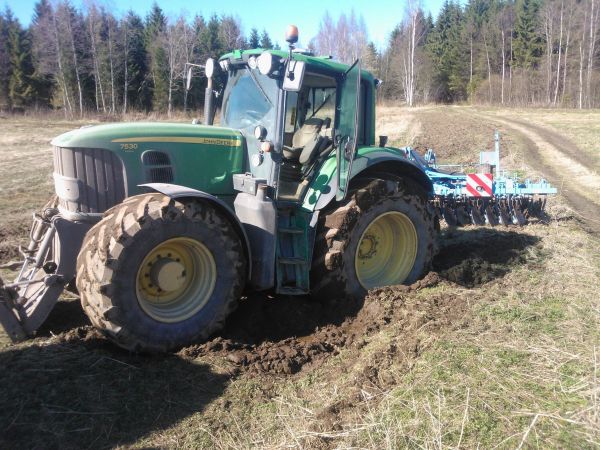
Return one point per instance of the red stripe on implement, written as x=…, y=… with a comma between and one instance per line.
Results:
x=472, y=191
x=481, y=183
x=488, y=175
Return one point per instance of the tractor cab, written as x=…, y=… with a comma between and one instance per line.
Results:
x=294, y=110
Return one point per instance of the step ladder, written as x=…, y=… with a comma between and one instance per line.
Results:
x=293, y=252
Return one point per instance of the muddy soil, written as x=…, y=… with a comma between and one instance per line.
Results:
x=10, y=238
x=286, y=335
x=457, y=138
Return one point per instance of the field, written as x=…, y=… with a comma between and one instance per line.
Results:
x=498, y=347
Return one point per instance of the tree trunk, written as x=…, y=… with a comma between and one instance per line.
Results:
x=112, y=70
x=581, y=59
x=487, y=55
x=412, y=57
x=61, y=72
x=548, y=23
x=503, y=70
x=97, y=77
x=565, y=64
x=510, y=72
x=126, y=63
x=591, y=52
x=471, y=66
x=559, y=55
x=75, y=64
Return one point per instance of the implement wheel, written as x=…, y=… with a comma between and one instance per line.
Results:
x=382, y=235
x=156, y=274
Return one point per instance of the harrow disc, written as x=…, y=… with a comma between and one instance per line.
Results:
x=490, y=215
x=518, y=218
x=461, y=216
x=476, y=216
x=449, y=216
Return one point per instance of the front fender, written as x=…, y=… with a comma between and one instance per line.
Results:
x=175, y=191
x=323, y=188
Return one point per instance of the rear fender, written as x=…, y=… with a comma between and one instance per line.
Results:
x=369, y=161
x=179, y=192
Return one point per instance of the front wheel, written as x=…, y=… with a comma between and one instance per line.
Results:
x=382, y=235
x=156, y=274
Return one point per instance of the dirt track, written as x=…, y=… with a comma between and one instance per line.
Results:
x=563, y=164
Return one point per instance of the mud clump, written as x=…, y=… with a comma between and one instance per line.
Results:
x=475, y=256
x=285, y=336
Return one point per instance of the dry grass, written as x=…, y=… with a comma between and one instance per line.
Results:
x=581, y=126
x=520, y=369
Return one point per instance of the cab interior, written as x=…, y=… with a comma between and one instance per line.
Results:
x=308, y=133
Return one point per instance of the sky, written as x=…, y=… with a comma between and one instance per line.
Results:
x=273, y=15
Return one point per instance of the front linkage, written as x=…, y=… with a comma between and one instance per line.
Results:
x=48, y=266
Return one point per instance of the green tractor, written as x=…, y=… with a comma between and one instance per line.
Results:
x=162, y=227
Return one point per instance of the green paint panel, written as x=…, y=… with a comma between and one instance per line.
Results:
x=202, y=157
x=323, y=180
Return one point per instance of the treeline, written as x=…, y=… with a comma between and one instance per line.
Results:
x=509, y=52
x=90, y=60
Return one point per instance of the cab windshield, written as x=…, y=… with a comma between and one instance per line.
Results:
x=250, y=99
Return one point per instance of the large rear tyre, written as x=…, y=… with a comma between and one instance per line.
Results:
x=156, y=274
x=382, y=235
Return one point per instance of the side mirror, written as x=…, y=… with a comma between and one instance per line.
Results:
x=294, y=74
x=188, y=79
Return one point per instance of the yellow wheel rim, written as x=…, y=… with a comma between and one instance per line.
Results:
x=176, y=279
x=387, y=251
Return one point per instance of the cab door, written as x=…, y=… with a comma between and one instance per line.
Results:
x=347, y=129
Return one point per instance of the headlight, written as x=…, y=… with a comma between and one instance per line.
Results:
x=252, y=63
x=260, y=132
x=265, y=63
x=224, y=65
x=209, y=67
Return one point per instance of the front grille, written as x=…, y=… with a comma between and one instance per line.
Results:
x=158, y=167
x=154, y=158
x=88, y=180
x=161, y=175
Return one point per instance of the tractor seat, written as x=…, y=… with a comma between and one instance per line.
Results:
x=307, y=134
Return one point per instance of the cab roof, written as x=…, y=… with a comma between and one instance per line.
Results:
x=318, y=63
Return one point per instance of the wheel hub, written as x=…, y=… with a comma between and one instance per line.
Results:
x=176, y=279
x=368, y=247
x=168, y=274
x=387, y=251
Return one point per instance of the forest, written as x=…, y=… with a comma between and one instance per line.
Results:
x=86, y=60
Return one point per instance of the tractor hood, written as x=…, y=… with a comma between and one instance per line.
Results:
x=196, y=156
x=106, y=136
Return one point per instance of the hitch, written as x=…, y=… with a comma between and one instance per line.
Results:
x=9, y=317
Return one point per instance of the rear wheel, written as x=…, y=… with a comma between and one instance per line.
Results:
x=382, y=235
x=156, y=274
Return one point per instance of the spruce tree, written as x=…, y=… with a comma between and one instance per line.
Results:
x=21, y=90
x=527, y=43
x=42, y=80
x=265, y=40
x=156, y=23
x=209, y=42
x=138, y=88
x=254, y=39
x=5, y=65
